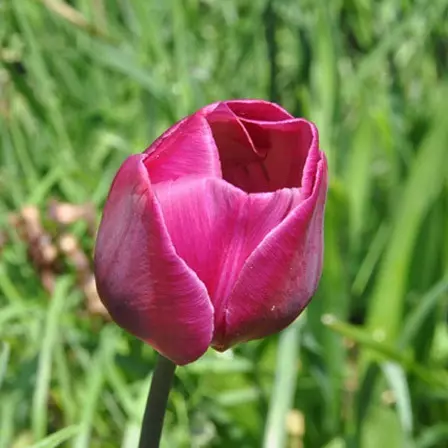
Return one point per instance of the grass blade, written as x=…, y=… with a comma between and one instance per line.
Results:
x=423, y=185
x=94, y=386
x=4, y=358
x=284, y=386
x=399, y=385
x=57, y=438
x=426, y=304
x=39, y=409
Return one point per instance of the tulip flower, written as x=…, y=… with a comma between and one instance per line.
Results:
x=213, y=235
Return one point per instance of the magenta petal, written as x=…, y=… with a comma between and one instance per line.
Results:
x=232, y=140
x=261, y=146
x=215, y=227
x=280, y=277
x=241, y=161
x=186, y=149
x=258, y=110
x=287, y=145
x=146, y=287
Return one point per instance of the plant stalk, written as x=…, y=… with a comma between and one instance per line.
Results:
x=156, y=404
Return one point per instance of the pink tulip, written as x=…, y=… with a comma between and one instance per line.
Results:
x=213, y=235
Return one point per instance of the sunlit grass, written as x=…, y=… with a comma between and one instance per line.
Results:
x=82, y=85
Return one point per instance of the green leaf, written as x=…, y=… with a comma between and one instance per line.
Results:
x=284, y=388
x=4, y=359
x=382, y=428
x=397, y=381
x=434, y=436
x=423, y=185
x=93, y=388
x=434, y=377
x=417, y=316
x=58, y=438
x=39, y=409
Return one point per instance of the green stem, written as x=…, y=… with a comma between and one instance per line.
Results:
x=156, y=404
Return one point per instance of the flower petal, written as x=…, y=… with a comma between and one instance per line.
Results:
x=146, y=287
x=258, y=110
x=262, y=148
x=186, y=149
x=279, y=278
x=286, y=144
x=215, y=227
x=241, y=161
x=232, y=140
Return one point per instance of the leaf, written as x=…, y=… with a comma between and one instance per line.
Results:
x=284, y=388
x=4, y=359
x=382, y=428
x=57, y=438
x=417, y=316
x=39, y=409
x=434, y=377
x=398, y=383
x=423, y=185
x=434, y=436
x=94, y=386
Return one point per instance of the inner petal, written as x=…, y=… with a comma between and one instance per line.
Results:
x=215, y=227
x=250, y=177
x=233, y=142
x=258, y=110
x=260, y=156
x=241, y=161
x=286, y=145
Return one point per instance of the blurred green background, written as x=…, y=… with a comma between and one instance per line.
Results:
x=84, y=83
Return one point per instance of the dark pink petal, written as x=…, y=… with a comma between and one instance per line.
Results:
x=259, y=154
x=186, y=149
x=279, y=278
x=215, y=227
x=286, y=145
x=241, y=161
x=258, y=110
x=146, y=287
x=232, y=140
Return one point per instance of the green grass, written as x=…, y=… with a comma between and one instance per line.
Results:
x=83, y=86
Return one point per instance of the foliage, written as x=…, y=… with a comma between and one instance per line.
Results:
x=85, y=83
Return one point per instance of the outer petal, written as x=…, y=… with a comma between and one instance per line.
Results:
x=186, y=149
x=280, y=277
x=146, y=287
x=215, y=227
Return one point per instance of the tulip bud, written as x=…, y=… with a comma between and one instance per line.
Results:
x=214, y=235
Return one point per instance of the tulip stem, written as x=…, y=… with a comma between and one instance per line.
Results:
x=156, y=403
